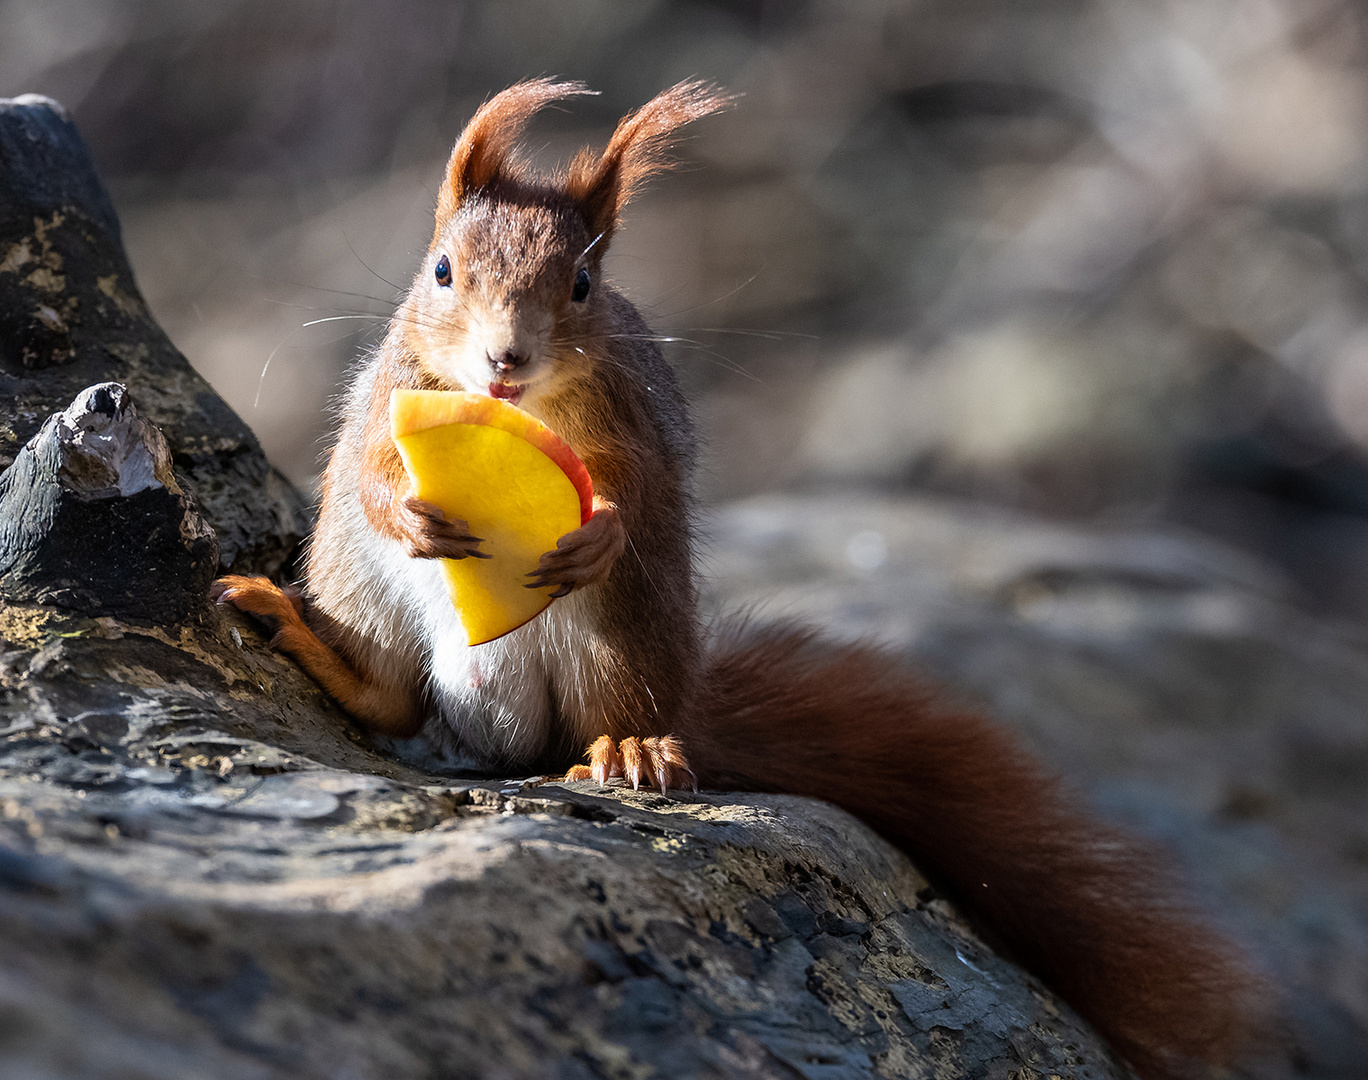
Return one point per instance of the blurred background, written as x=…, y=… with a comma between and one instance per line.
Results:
x=1092, y=258
x=1101, y=261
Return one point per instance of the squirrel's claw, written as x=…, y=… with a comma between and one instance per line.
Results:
x=280, y=608
x=657, y=758
x=584, y=556
x=428, y=534
x=258, y=597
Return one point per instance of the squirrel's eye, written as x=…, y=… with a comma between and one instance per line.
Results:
x=444, y=271
x=581, y=290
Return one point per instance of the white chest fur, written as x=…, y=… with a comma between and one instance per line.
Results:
x=502, y=701
x=492, y=704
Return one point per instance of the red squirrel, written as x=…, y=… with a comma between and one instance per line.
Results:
x=510, y=301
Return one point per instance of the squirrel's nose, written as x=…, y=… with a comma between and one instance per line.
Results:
x=506, y=362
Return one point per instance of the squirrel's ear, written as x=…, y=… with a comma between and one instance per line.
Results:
x=603, y=184
x=482, y=151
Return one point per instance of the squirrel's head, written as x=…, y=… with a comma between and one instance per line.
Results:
x=509, y=293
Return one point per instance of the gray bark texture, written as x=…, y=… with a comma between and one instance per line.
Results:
x=71, y=316
x=206, y=871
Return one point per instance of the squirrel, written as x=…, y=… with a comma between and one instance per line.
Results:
x=510, y=301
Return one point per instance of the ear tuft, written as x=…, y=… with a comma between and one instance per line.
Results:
x=482, y=152
x=603, y=185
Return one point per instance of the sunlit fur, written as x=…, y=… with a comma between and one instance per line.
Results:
x=515, y=250
x=1092, y=911
x=619, y=657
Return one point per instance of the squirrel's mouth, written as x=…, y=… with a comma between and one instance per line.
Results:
x=505, y=392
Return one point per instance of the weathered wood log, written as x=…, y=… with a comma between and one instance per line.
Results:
x=71, y=316
x=93, y=518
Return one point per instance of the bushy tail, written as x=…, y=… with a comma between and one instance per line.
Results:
x=1090, y=909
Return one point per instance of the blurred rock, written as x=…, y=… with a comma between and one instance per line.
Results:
x=93, y=518
x=71, y=316
x=1018, y=412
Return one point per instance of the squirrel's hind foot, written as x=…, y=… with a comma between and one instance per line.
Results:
x=657, y=758
x=280, y=609
x=259, y=597
x=381, y=706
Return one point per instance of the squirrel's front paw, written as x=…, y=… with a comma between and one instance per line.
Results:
x=426, y=533
x=659, y=758
x=584, y=556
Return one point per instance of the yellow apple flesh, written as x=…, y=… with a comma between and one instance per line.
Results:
x=510, y=478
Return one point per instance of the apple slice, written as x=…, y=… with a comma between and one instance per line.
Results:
x=507, y=475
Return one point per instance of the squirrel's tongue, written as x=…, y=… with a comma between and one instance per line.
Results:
x=510, y=394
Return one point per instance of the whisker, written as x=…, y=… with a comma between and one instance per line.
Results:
x=715, y=300
x=269, y=280
x=699, y=347
x=294, y=305
x=645, y=571
x=651, y=307
x=378, y=316
x=344, y=336
x=764, y=335
x=727, y=364
x=341, y=318
x=410, y=318
x=363, y=262
x=261, y=379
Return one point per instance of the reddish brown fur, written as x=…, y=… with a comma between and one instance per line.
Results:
x=383, y=480
x=483, y=152
x=387, y=713
x=603, y=184
x=1090, y=910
